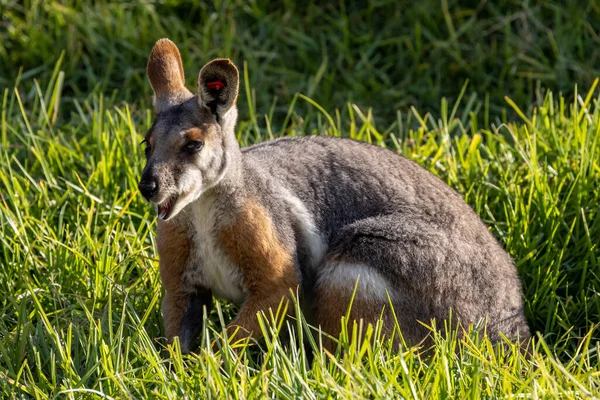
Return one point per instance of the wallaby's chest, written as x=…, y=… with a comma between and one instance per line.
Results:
x=209, y=265
x=246, y=252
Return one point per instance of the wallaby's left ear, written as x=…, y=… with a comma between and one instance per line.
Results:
x=218, y=85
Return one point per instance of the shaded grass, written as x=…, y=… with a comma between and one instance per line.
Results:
x=384, y=54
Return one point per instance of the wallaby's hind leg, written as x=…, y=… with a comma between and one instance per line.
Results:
x=337, y=283
x=428, y=265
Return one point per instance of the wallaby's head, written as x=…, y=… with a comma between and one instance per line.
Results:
x=191, y=142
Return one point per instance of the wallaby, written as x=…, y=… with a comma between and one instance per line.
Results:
x=324, y=216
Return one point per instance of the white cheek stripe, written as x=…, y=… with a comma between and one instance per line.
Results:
x=311, y=236
x=341, y=275
x=193, y=184
x=189, y=180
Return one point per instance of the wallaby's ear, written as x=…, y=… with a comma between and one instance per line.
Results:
x=165, y=71
x=218, y=83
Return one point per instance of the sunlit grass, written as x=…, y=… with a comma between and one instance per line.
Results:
x=81, y=291
x=81, y=294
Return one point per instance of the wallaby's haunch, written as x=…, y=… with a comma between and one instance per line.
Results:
x=315, y=213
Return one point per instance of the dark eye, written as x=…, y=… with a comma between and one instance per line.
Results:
x=147, y=147
x=194, y=146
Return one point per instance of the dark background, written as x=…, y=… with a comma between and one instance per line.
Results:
x=385, y=54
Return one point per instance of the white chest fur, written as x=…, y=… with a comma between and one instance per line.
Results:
x=210, y=266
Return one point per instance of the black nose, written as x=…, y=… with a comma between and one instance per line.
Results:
x=148, y=187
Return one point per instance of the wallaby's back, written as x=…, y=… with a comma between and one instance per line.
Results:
x=374, y=206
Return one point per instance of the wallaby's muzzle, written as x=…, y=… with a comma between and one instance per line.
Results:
x=148, y=187
x=153, y=189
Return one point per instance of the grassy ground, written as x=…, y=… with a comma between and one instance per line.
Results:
x=78, y=274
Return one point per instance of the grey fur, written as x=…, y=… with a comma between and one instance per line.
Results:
x=369, y=206
x=375, y=207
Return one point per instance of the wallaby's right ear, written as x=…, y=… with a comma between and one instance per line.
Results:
x=218, y=85
x=165, y=71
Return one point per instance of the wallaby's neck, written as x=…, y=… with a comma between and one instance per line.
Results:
x=230, y=191
x=231, y=188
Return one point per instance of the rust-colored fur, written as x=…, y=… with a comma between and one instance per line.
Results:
x=332, y=305
x=267, y=267
x=165, y=72
x=165, y=69
x=173, y=248
x=196, y=134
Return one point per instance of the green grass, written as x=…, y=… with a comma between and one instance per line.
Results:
x=384, y=54
x=78, y=274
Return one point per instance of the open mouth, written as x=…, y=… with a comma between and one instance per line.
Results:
x=165, y=208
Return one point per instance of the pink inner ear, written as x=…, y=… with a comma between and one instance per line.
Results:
x=215, y=85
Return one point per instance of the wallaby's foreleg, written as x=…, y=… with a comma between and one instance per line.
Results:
x=246, y=323
x=267, y=266
x=183, y=315
x=182, y=308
